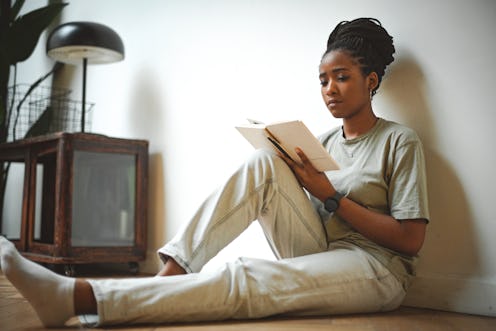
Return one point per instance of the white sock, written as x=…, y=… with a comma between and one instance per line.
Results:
x=50, y=294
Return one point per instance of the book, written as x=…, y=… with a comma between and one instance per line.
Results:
x=284, y=137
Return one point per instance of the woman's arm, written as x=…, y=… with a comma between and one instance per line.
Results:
x=403, y=236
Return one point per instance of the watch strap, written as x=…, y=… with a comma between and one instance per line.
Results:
x=337, y=196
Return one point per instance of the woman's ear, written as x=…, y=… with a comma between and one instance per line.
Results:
x=373, y=80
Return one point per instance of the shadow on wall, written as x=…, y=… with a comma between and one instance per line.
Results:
x=156, y=211
x=146, y=113
x=450, y=248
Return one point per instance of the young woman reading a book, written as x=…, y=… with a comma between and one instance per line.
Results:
x=346, y=240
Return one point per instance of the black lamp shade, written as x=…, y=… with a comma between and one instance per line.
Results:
x=74, y=41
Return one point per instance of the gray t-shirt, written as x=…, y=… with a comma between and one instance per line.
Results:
x=384, y=171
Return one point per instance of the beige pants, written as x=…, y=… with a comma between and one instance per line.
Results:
x=310, y=277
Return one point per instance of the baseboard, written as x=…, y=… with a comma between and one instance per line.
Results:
x=453, y=294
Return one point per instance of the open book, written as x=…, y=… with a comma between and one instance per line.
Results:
x=285, y=137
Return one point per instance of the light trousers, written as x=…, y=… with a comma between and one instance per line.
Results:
x=310, y=277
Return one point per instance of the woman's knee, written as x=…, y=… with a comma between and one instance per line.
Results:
x=267, y=159
x=262, y=155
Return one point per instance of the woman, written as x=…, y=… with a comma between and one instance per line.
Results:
x=346, y=240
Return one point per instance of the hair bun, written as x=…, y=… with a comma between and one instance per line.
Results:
x=366, y=40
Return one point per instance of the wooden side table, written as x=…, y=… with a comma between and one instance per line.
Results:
x=84, y=199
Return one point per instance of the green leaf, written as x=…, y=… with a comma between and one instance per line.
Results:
x=4, y=75
x=33, y=86
x=16, y=9
x=42, y=124
x=4, y=70
x=26, y=30
x=3, y=112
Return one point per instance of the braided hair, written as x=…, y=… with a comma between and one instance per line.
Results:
x=365, y=40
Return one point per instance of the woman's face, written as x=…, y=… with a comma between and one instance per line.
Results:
x=345, y=90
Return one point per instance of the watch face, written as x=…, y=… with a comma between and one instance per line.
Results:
x=331, y=205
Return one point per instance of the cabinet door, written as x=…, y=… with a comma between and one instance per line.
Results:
x=103, y=199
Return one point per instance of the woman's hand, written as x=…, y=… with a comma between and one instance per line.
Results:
x=314, y=181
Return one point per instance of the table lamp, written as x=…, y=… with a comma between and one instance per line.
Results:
x=86, y=42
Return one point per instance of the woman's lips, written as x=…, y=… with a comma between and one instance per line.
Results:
x=333, y=103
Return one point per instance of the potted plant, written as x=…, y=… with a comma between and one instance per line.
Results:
x=19, y=35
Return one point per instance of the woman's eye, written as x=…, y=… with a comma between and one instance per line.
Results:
x=342, y=78
x=323, y=83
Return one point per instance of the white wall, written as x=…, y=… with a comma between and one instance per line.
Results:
x=194, y=69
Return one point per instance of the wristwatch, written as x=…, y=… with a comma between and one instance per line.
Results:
x=331, y=204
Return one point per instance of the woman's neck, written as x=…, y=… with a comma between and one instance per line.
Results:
x=358, y=125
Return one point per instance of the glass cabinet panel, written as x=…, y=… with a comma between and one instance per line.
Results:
x=12, y=204
x=103, y=199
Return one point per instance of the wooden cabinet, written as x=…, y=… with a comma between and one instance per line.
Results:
x=83, y=198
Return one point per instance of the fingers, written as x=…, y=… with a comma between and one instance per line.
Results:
x=304, y=165
x=304, y=159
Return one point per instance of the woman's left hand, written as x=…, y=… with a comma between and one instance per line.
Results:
x=314, y=181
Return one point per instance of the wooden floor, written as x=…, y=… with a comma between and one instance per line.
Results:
x=16, y=314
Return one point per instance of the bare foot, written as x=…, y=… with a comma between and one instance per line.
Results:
x=171, y=268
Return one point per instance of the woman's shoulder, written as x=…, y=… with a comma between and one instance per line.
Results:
x=326, y=136
x=385, y=130
x=398, y=132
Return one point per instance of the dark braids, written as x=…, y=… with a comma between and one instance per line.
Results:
x=367, y=41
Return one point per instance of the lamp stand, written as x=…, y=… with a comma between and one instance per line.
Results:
x=83, y=114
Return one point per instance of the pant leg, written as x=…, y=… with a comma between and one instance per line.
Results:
x=263, y=188
x=343, y=280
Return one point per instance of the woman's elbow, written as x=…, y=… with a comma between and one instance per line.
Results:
x=414, y=235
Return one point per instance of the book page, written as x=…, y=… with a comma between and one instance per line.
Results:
x=289, y=135
x=296, y=134
x=256, y=135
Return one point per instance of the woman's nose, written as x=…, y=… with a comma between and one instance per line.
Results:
x=330, y=88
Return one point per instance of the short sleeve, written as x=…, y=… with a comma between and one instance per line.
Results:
x=407, y=195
